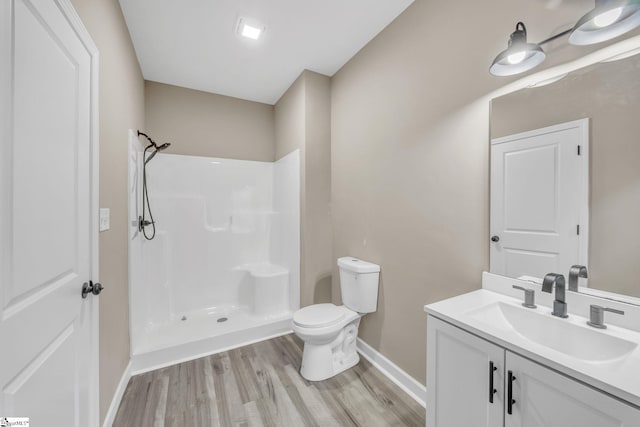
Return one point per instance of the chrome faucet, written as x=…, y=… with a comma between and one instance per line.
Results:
x=574, y=272
x=559, y=304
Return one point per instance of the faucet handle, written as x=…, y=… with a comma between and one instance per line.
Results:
x=529, y=296
x=596, y=315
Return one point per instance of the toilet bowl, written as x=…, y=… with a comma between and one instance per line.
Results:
x=329, y=332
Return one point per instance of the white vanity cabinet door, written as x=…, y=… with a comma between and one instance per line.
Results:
x=545, y=398
x=458, y=378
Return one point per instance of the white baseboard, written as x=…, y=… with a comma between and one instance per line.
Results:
x=392, y=371
x=117, y=397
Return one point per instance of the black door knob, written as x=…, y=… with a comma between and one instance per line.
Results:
x=91, y=288
x=97, y=288
x=495, y=238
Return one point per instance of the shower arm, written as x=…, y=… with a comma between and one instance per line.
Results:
x=153, y=143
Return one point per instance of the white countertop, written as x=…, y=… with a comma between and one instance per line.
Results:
x=618, y=377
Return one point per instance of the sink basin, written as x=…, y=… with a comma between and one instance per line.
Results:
x=573, y=339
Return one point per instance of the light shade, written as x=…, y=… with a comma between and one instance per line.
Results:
x=609, y=19
x=519, y=56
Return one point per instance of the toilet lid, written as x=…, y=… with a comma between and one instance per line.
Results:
x=318, y=315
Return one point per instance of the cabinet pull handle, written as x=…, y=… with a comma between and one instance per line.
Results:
x=492, y=390
x=510, y=399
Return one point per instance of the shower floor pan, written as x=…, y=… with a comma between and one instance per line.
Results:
x=201, y=334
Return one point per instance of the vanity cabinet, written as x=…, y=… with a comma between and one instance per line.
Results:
x=460, y=370
x=469, y=381
x=546, y=398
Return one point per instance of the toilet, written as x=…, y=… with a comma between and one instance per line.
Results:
x=329, y=331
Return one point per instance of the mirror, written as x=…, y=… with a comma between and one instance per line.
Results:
x=565, y=178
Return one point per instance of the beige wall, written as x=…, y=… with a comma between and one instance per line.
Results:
x=409, y=152
x=609, y=95
x=303, y=121
x=290, y=120
x=206, y=124
x=121, y=108
x=316, y=217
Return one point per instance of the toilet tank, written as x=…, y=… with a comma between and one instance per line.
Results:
x=359, y=284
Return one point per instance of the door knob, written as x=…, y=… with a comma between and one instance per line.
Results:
x=97, y=288
x=495, y=238
x=91, y=288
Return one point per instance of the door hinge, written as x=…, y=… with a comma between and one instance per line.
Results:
x=578, y=229
x=579, y=151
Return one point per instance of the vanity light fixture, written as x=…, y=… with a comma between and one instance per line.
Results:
x=519, y=56
x=609, y=19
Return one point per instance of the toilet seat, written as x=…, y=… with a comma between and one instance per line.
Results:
x=319, y=316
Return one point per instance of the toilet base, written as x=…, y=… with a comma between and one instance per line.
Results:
x=320, y=362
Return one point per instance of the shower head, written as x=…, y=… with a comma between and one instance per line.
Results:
x=157, y=148
x=152, y=144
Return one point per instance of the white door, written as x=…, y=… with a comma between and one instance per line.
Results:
x=464, y=378
x=544, y=398
x=540, y=201
x=48, y=231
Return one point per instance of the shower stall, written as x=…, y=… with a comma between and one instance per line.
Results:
x=223, y=267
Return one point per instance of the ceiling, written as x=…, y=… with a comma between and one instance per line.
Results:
x=194, y=43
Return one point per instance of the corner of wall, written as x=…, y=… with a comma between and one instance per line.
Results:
x=303, y=121
x=121, y=108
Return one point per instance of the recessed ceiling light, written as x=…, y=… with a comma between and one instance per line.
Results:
x=250, y=29
x=251, y=32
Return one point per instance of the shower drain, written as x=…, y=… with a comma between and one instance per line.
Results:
x=184, y=318
x=222, y=319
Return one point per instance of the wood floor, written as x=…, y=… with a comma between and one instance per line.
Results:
x=259, y=385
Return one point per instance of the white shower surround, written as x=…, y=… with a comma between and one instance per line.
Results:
x=227, y=245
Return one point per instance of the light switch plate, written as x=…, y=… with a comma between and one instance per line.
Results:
x=104, y=219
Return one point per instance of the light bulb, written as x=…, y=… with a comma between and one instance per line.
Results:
x=251, y=32
x=516, y=58
x=607, y=18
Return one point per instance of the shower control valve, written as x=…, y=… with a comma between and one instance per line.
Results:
x=142, y=223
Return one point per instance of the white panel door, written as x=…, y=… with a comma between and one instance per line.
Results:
x=48, y=229
x=544, y=398
x=539, y=200
x=464, y=378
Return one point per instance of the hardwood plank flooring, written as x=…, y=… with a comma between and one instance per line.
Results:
x=259, y=386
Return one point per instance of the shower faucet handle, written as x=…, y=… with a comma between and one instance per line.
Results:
x=142, y=223
x=529, y=297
